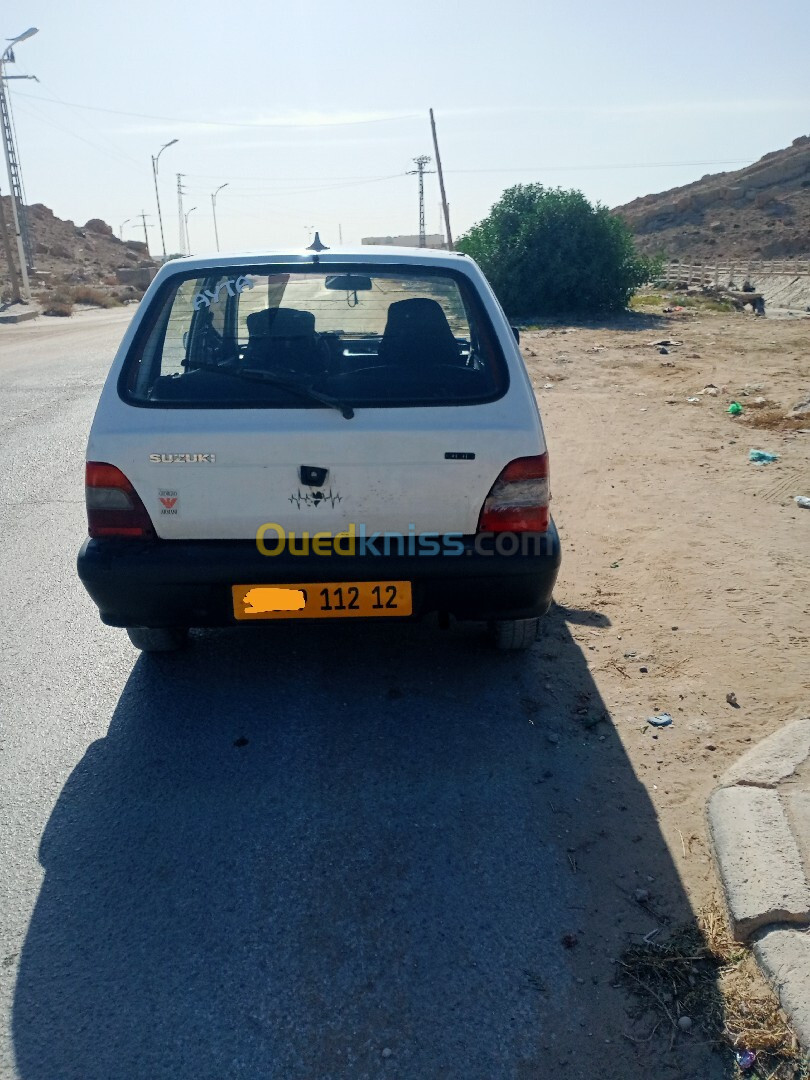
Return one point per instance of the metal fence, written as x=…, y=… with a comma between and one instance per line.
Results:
x=735, y=273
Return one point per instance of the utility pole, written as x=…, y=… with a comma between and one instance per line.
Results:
x=155, y=160
x=420, y=170
x=142, y=216
x=214, y=209
x=181, y=215
x=445, y=207
x=12, y=269
x=18, y=214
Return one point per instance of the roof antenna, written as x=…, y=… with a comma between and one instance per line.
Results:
x=316, y=244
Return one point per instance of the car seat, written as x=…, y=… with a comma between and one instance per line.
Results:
x=417, y=333
x=284, y=341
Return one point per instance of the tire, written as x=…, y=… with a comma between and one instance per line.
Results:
x=512, y=635
x=161, y=639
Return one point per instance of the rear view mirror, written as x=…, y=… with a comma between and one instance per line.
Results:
x=516, y=332
x=348, y=282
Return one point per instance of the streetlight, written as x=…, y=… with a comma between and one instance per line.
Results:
x=24, y=36
x=214, y=209
x=7, y=57
x=121, y=228
x=188, y=242
x=155, y=159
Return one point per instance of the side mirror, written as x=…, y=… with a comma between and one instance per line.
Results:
x=516, y=332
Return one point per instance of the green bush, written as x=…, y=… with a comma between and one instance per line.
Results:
x=547, y=250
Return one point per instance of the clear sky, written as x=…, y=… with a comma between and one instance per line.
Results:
x=312, y=110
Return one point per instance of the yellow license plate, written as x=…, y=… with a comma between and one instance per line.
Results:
x=322, y=600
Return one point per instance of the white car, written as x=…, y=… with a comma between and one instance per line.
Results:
x=310, y=435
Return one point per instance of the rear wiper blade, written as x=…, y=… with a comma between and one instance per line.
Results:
x=254, y=375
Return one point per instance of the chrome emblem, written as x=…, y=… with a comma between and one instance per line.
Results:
x=182, y=459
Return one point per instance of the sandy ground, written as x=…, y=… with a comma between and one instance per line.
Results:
x=516, y=756
x=698, y=560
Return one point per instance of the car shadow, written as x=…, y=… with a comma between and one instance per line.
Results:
x=350, y=852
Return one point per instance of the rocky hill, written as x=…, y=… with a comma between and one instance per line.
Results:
x=68, y=254
x=760, y=212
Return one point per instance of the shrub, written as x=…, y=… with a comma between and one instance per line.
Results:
x=85, y=294
x=548, y=250
x=57, y=305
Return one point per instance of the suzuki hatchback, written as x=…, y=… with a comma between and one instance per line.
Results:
x=321, y=435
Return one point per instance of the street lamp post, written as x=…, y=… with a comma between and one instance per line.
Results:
x=155, y=159
x=7, y=56
x=121, y=228
x=188, y=242
x=214, y=209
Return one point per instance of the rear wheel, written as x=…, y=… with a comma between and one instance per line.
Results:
x=157, y=639
x=514, y=634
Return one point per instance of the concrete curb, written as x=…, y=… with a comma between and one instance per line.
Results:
x=784, y=956
x=758, y=820
x=759, y=859
x=19, y=316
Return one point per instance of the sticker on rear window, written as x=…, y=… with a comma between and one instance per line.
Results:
x=232, y=286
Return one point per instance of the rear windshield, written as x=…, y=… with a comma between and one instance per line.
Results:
x=314, y=339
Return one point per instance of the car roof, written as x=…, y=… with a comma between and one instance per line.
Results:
x=365, y=254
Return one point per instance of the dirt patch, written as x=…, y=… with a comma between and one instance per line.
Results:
x=695, y=558
x=697, y=982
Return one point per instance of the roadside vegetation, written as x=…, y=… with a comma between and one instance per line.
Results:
x=656, y=301
x=60, y=300
x=700, y=982
x=550, y=251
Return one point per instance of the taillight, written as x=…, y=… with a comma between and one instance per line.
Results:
x=518, y=500
x=114, y=507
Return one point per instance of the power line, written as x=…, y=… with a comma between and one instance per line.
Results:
x=259, y=192
x=580, y=168
x=120, y=155
x=350, y=180
x=225, y=123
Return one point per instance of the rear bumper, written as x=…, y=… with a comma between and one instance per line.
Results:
x=188, y=583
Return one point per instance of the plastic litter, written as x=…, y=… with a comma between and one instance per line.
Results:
x=762, y=457
x=735, y=409
x=660, y=720
x=803, y=501
x=693, y=400
x=745, y=1059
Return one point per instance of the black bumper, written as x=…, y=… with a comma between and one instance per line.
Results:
x=188, y=583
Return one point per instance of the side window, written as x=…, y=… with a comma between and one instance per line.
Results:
x=211, y=337
x=178, y=326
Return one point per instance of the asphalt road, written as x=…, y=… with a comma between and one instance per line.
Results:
x=366, y=851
